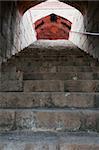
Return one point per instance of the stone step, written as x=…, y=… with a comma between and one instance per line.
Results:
x=61, y=85
x=50, y=72
x=49, y=119
x=49, y=68
x=11, y=85
x=43, y=86
x=46, y=66
x=61, y=76
x=29, y=52
x=67, y=60
x=49, y=141
x=52, y=51
x=28, y=62
x=62, y=60
x=48, y=99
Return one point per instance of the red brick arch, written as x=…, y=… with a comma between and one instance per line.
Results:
x=53, y=27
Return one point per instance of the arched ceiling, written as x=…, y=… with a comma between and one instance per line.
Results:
x=25, y=5
x=46, y=8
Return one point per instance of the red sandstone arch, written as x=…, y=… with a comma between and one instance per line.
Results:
x=25, y=5
x=53, y=27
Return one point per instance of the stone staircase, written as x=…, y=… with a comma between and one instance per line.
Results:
x=49, y=99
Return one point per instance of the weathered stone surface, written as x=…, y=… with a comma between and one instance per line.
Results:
x=80, y=147
x=61, y=76
x=43, y=86
x=48, y=99
x=48, y=141
x=50, y=95
x=48, y=146
x=81, y=85
x=6, y=120
x=61, y=85
x=57, y=69
x=50, y=119
x=11, y=85
x=11, y=73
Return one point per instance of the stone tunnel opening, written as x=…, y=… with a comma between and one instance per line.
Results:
x=16, y=20
x=54, y=20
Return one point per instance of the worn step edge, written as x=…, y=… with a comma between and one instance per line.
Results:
x=61, y=85
x=48, y=99
x=49, y=119
x=61, y=76
x=67, y=137
x=50, y=110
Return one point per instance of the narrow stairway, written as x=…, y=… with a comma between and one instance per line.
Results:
x=49, y=99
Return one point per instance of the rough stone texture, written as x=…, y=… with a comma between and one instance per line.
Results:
x=80, y=147
x=8, y=86
x=81, y=85
x=89, y=23
x=49, y=59
x=48, y=141
x=14, y=35
x=61, y=76
x=48, y=99
x=51, y=69
x=49, y=119
x=61, y=86
x=43, y=86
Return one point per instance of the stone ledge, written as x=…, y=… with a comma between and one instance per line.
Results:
x=49, y=119
x=48, y=99
x=49, y=140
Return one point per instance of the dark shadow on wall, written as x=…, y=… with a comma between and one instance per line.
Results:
x=8, y=19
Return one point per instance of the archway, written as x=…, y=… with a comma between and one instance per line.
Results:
x=61, y=9
x=53, y=27
x=25, y=5
x=15, y=39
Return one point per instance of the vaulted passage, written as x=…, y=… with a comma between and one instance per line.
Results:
x=49, y=75
x=18, y=32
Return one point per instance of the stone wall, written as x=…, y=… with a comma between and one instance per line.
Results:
x=93, y=26
x=16, y=31
x=78, y=26
x=86, y=25
x=28, y=34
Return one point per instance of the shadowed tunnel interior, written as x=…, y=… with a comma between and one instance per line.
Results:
x=14, y=36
